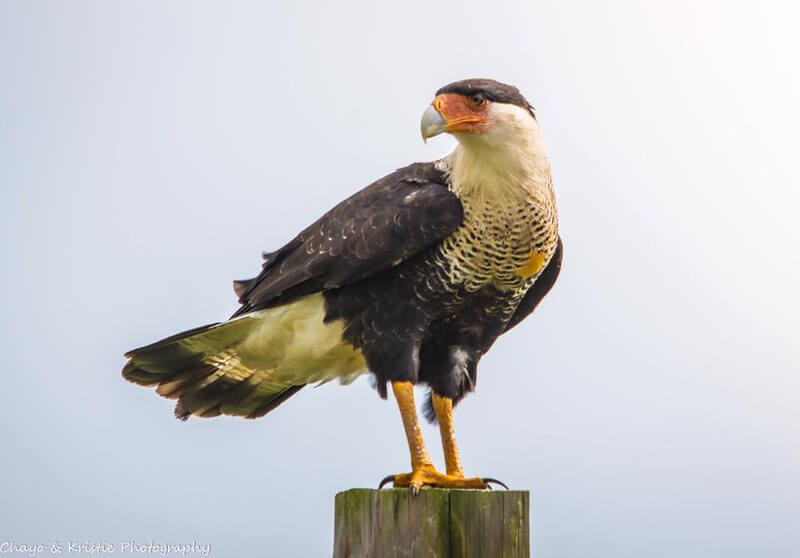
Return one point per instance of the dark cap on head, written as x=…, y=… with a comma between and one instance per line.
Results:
x=493, y=90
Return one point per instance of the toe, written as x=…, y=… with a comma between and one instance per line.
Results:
x=429, y=476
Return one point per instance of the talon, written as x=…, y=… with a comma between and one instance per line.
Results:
x=386, y=480
x=429, y=476
x=501, y=483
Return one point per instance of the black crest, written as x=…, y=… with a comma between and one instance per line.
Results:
x=493, y=90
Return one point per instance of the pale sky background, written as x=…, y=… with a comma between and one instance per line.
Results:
x=149, y=151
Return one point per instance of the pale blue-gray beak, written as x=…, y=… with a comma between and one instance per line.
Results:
x=432, y=123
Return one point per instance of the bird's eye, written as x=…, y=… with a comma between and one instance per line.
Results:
x=477, y=99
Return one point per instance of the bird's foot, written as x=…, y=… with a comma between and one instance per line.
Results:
x=427, y=475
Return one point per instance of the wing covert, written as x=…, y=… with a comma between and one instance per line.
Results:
x=376, y=228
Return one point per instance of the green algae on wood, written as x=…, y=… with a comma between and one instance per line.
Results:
x=436, y=523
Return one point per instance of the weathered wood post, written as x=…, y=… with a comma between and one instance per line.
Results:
x=433, y=524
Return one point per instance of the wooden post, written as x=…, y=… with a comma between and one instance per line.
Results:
x=433, y=524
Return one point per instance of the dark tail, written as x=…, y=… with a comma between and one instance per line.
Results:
x=200, y=368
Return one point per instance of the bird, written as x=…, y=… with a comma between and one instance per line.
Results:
x=411, y=279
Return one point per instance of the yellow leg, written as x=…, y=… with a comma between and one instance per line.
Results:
x=423, y=473
x=443, y=406
x=404, y=393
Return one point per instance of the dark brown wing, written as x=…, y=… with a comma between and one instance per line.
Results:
x=539, y=289
x=382, y=225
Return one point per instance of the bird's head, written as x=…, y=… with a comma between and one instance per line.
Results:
x=478, y=111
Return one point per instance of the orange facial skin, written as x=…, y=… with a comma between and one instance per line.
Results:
x=462, y=113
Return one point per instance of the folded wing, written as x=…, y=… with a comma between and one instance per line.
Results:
x=376, y=228
x=278, y=341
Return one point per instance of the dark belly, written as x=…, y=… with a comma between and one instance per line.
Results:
x=413, y=324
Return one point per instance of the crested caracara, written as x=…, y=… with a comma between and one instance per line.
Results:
x=411, y=279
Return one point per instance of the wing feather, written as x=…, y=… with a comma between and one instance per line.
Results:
x=382, y=225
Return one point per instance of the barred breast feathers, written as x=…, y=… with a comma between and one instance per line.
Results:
x=504, y=181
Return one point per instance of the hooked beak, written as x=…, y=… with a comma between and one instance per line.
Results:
x=452, y=113
x=432, y=124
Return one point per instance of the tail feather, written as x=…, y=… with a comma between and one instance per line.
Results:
x=270, y=404
x=200, y=369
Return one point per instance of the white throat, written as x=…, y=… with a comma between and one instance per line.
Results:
x=508, y=161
